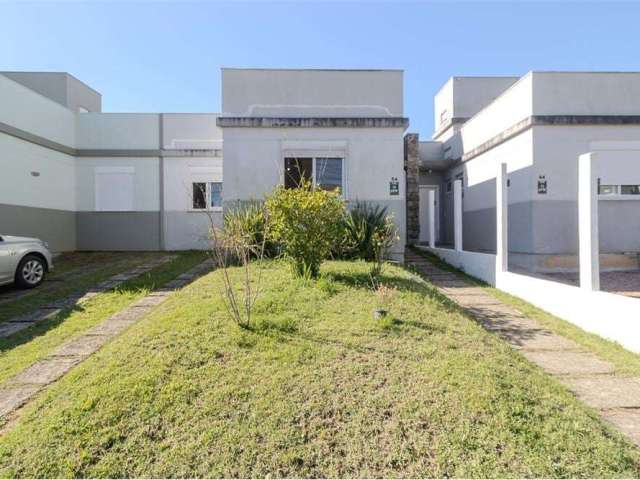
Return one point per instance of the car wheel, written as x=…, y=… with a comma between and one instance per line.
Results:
x=31, y=271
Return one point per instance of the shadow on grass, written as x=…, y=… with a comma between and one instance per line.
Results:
x=132, y=288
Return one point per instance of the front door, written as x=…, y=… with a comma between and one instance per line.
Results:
x=423, y=209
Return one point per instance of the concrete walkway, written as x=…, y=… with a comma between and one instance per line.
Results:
x=10, y=293
x=615, y=398
x=18, y=390
x=49, y=311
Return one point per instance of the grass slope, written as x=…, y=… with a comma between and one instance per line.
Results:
x=625, y=362
x=24, y=348
x=318, y=388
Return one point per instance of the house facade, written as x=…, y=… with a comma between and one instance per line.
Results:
x=82, y=179
x=538, y=125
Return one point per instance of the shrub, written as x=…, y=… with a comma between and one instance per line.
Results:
x=366, y=228
x=242, y=241
x=249, y=223
x=306, y=222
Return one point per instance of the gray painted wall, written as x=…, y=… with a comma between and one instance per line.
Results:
x=56, y=227
x=118, y=230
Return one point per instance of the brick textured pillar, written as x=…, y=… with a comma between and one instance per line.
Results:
x=411, y=166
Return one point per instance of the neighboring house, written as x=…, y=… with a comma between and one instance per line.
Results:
x=86, y=180
x=538, y=124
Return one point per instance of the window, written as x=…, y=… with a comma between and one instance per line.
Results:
x=329, y=173
x=630, y=189
x=216, y=194
x=297, y=169
x=206, y=195
x=114, y=189
x=324, y=172
x=607, y=190
x=199, y=196
x=449, y=186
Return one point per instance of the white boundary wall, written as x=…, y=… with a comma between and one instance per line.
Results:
x=611, y=316
x=614, y=317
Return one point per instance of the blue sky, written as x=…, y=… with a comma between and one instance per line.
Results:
x=166, y=56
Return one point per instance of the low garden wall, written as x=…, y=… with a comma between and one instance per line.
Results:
x=614, y=317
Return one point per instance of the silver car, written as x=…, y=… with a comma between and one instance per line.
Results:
x=24, y=260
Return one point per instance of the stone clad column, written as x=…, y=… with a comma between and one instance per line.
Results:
x=412, y=169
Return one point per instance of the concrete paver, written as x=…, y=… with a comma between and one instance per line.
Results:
x=17, y=390
x=45, y=371
x=617, y=399
x=606, y=391
x=627, y=420
x=14, y=397
x=53, y=309
x=561, y=362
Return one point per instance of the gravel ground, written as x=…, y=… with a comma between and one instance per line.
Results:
x=622, y=283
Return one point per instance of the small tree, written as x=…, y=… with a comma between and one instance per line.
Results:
x=241, y=242
x=306, y=222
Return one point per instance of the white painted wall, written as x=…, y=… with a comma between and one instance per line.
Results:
x=610, y=316
x=478, y=265
x=586, y=93
x=191, y=131
x=27, y=110
x=186, y=228
x=53, y=187
x=463, y=97
x=254, y=162
x=119, y=131
x=290, y=92
x=512, y=106
x=146, y=181
x=181, y=172
x=254, y=158
x=613, y=317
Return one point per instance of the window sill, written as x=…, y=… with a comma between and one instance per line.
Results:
x=619, y=197
x=205, y=210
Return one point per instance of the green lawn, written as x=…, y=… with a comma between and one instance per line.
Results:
x=318, y=388
x=108, y=263
x=624, y=361
x=28, y=346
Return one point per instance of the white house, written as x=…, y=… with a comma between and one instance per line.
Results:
x=538, y=124
x=82, y=179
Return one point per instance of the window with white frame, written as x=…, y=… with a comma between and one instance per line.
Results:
x=326, y=173
x=606, y=190
x=206, y=195
x=114, y=189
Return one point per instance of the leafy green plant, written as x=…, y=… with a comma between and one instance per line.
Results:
x=369, y=232
x=249, y=223
x=307, y=224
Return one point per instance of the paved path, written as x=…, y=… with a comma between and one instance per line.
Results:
x=19, y=389
x=11, y=293
x=616, y=398
x=48, y=311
